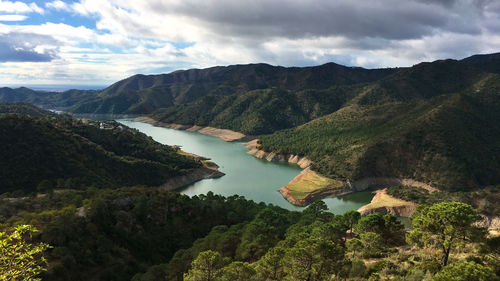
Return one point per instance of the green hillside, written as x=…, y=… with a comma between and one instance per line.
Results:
x=24, y=109
x=67, y=153
x=450, y=141
x=434, y=121
x=259, y=111
x=142, y=94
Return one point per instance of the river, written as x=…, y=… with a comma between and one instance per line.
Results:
x=256, y=179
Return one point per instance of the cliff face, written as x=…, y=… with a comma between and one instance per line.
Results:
x=272, y=156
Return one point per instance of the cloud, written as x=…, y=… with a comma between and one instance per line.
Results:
x=26, y=47
x=19, y=7
x=342, y=26
x=12, y=17
x=108, y=40
x=58, y=5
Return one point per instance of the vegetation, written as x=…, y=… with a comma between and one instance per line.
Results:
x=114, y=234
x=20, y=259
x=443, y=224
x=484, y=200
x=146, y=234
x=450, y=142
x=434, y=122
x=310, y=181
x=466, y=271
x=59, y=152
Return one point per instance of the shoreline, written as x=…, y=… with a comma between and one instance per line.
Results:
x=252, y=146
x=204, y=172
x=305, y=177
x=346, y=187
x=224, y=134
x=328, y=190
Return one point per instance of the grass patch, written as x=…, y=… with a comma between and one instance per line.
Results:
x=310, y=181
x=385, y=200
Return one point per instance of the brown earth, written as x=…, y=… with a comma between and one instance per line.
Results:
x=224, y=134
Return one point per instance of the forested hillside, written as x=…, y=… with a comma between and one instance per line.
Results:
x=451, y=142
x=436, y=122
x=59, y=152
x=145, y=234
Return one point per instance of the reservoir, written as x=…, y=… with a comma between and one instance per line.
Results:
x=253, y=178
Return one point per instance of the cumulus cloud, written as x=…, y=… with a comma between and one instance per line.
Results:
x=58, y=5
x=26, y=47
x=19, y=7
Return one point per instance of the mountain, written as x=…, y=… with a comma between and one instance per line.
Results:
x=46, y=99
x=142, y=94
x=451, y=142
x=434, y=121
x=68, y=153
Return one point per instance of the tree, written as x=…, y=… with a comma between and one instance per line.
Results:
x=373, y=244
x=371, y=223
x=443, y=224
x=20, y=259
x=270, y=264
x=351, y=218
x=237, y=271
x=466, y=271
x=313, y=259
x=388, y=226
x=354, y=245
x=205, y=267
x=316, y=209
x=45, y=186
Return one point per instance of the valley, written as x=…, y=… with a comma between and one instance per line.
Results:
x=255, y=167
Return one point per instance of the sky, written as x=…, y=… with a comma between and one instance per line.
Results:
x=98, y=42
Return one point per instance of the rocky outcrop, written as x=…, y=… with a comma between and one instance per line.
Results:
x=312, y=196
x=192, y=177
x=224, y=134
x=384, y=203
x=252, y=146
x=492, y=223
x=382, y=182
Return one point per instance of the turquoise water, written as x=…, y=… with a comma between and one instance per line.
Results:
x=256, y=179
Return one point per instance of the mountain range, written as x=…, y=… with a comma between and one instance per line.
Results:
x=438, y=122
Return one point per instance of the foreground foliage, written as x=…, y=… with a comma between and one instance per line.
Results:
x=19, y=258
x=144, y=234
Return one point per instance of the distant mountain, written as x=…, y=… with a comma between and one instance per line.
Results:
x=68, y=153
x=46, y=99
x=142, y=94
